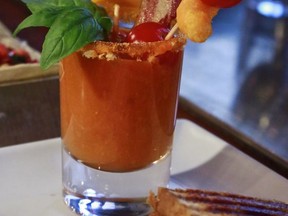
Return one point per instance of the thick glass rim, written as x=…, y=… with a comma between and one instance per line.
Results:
x=139, y=51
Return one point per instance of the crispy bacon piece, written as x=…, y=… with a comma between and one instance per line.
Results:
x=161, y=11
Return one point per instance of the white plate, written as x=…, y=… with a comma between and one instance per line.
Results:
x=30, y=182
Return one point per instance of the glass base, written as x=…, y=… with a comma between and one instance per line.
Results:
x=92, y=192
x=89, y=206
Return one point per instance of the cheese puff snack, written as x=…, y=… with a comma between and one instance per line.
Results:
x=194, y=19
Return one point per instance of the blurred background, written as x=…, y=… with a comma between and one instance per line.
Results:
x=239, y=75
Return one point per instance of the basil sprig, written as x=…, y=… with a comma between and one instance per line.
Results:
x=73, y=24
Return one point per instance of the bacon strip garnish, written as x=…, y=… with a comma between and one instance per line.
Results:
x=161, y=11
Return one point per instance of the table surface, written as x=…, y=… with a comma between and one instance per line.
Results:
x=195, y=155
x=214, y=94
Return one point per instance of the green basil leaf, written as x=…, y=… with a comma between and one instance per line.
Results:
x=38, y=5
x=101, y=16
x=106, y=23
x=74, y=28
x=100, y=12
x=41, y=18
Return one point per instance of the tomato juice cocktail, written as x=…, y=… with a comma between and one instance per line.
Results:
x=118, y=103
x=119, y=93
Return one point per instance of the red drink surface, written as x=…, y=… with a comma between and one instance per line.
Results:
x=119, y=115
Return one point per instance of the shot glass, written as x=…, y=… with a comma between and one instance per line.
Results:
x=118, y=111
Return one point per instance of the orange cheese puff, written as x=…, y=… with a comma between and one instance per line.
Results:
x=194, y=19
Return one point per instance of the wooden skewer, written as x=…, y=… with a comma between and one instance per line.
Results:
x=172, y=32
x=116, y=18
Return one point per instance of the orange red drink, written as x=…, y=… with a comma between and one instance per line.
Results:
x=119, y=101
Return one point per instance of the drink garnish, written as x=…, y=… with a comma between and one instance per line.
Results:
x=194, y=19
x=116, y=18
x=171, y=33
x=147, y=32
x=222, y=3
x=72, y=25
x=161, y=11
x=129, y=8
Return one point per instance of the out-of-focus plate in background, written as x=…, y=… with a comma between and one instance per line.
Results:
x=14, y=73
